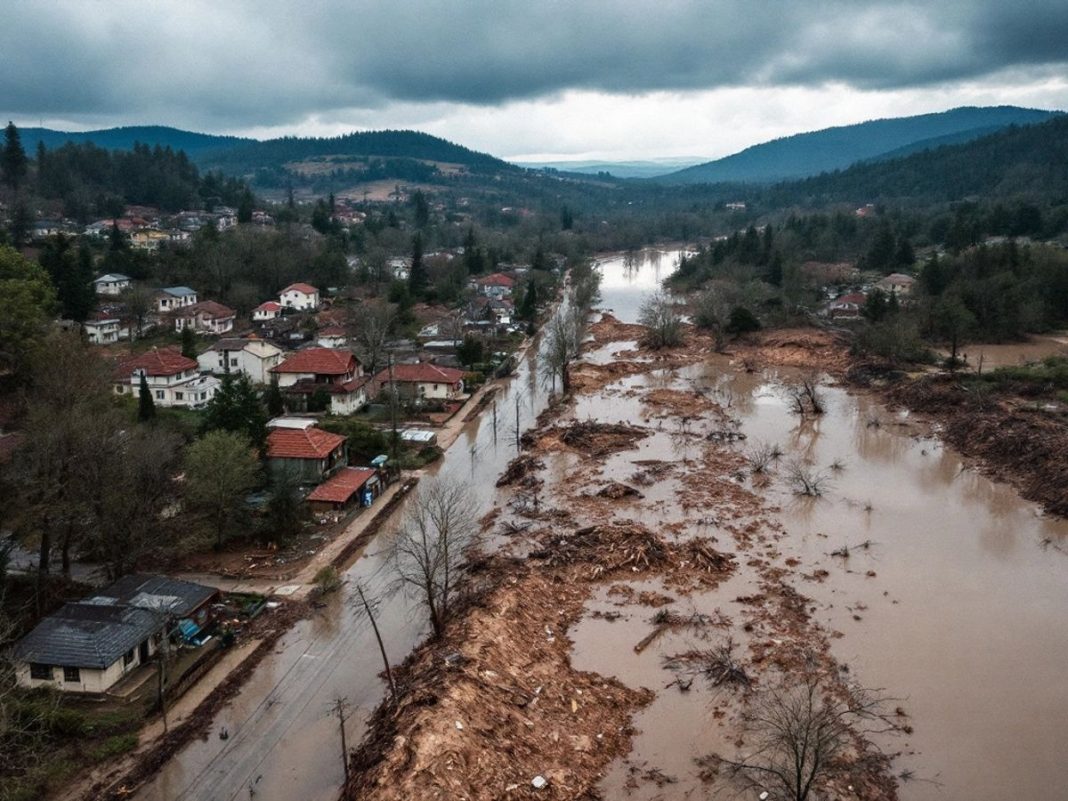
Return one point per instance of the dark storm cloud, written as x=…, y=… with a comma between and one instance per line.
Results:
x=239, y=63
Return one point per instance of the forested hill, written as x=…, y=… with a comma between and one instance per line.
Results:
x=190, y=142
x=387, y=144
x=1027, y=163
x=812, y=153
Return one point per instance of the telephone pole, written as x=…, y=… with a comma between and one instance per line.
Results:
x=340, y=708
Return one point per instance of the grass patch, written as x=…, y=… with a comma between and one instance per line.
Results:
x=1034, y=378
x=113, y=746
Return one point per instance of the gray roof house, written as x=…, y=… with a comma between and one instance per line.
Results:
x=89, y=645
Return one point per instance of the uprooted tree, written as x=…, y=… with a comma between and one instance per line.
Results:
x=803, y=736
x=429, y=553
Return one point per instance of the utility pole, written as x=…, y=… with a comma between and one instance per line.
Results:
x=517, y=430
x=340, y=706
x=393, y=405
x=494, y=421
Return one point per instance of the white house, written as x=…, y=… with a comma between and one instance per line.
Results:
x=494, y=285
x=175, y=297
x=88, y=646
x=333, y=336
x=303, y=297
x=337, y=373
x=897, y=284
x=266, y=311
x=206, y=317
x=104, y=329
x=172, y=379
x=252, y=356
x=111, y=284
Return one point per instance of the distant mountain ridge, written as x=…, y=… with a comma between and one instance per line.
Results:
x=816, y=152
x=1017, y=162
x=124, y=138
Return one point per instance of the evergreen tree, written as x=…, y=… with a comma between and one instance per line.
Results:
x=13, y=161
x=775, y=269
x=244, y=209
x=422, y=210
x=236, y=407
x=273, y=397
x=904, y=256
x=417, y=275
x=567, y=219
x=146, y=407
x=189, y=342
x=528, y=307
x=21, y=221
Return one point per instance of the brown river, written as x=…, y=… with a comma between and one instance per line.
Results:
x=964, y=618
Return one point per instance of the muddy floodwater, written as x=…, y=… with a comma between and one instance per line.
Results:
x=957, y=606
x=953, y=597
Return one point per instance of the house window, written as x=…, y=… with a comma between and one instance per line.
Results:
x=127, y=658
x=233, y=362
x=72, y=674
x=178, y=396
x=159, y=394
x=39, y=671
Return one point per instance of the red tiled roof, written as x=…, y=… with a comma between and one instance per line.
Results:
x=332, y=331
x=209, y=308
x=495, y=279
x=857, y=298
x=307, y=289
x=161, y=361
x=342, y=485
x=270, y=305
x=311, y=443
x=422, y=372
x=308, y=386
x=320, y=361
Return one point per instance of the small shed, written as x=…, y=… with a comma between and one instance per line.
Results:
x=359, y=484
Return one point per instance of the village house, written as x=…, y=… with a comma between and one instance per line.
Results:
x=89, y=646
x=333, y=336
x=494, y=310
x=249, y=355
x=104, y=329
x=205, y=317
x=846, y=307
x=495, y=285
x=111, y=284
x=896, y=284
x=266, y=311
x=335, y=373
x=347, y=484
x=421, y=381
x=172, y=379
x=303, y=297
x=175, y=297
x=148, y=239
x=295, y=447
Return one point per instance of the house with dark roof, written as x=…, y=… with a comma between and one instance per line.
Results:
x=305, y=453
x=303, y=297
x=90, y=645
x=172, y=379
x=421, y=381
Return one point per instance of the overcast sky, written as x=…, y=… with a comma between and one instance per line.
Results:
x=541, y=79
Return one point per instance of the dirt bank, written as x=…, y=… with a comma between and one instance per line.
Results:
x=1017, y=442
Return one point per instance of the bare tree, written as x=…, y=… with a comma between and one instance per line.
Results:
x=428, y=555
x=802, y=736
x=138, y=301
x=807, y=481
x=563, y=341
x=662, y=321
x=373, y=325
x=806, y=396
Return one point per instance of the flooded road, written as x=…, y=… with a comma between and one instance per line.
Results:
x=282, y=740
